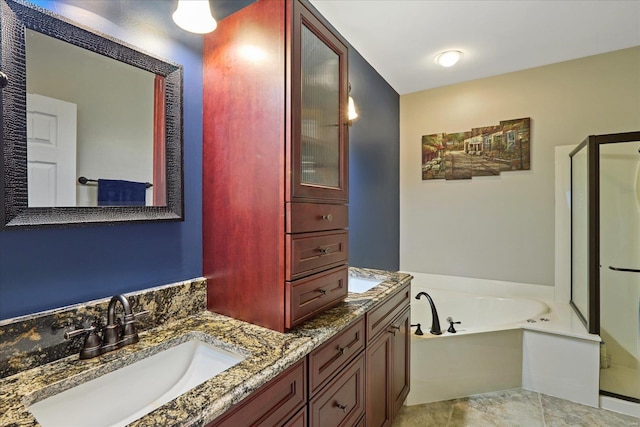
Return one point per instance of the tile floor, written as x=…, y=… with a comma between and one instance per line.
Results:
x=510, y=408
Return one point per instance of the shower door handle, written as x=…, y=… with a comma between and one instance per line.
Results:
x=628, y=270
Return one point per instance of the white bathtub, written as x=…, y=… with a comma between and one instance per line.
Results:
x=477, y=313
x=486, y=352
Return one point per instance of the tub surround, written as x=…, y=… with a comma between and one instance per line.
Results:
x=268, y=354
x=557, y=356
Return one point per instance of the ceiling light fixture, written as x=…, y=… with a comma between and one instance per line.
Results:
x=194, y=16
x=448, y=58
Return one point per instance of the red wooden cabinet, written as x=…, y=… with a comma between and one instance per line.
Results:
x=275, y=160
x=388, y=358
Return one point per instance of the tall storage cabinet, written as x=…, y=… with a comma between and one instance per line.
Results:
x=275, y=165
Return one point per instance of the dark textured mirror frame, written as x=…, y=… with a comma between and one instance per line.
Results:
x=17, y=15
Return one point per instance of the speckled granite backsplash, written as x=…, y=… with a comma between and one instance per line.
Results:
x=37, y=339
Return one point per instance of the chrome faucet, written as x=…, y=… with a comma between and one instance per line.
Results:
x=435, y=322
x=117, y=334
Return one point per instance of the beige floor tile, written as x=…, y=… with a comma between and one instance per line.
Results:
x=505, y=408
x=510, y=408
x=429, y=414
x=561, y=413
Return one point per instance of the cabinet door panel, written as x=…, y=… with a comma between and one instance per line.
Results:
x=341, y=402
x=401, y=360
x=379, y=372
x=319, y=109
x=298, y=420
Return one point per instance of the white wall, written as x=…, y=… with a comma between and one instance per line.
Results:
x=503, y=227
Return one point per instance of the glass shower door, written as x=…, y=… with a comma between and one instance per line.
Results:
x=619, y=179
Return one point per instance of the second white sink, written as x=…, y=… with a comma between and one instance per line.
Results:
x=360, y=284
x=126, y=394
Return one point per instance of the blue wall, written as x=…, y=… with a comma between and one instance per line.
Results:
x=47, y=268
x=374, y=169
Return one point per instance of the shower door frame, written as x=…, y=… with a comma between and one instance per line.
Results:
x=592, y=144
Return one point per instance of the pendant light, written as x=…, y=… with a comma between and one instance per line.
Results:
x=194, y=16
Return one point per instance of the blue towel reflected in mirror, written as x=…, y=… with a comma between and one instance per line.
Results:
x=114, y=192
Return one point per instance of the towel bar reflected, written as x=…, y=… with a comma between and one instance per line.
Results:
x=629, y=270
x=86, y=181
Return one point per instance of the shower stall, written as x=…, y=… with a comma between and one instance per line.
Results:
x=605, y=254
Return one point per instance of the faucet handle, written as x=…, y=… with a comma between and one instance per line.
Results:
x=451, y=323
x=92, y=346
x=72, y=334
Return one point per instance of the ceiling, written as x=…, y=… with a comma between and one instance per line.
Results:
x=149, y=17
x=400, y=38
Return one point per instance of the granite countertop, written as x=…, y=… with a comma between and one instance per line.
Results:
x=268, y=354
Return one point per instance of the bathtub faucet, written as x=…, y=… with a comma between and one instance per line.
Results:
x=435, y=322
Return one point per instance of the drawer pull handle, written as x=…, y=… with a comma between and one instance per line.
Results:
x=322, y=291
x=341, y=350
x=343, y=407
x=324, y=251
x=328, y=217
x=393, y=330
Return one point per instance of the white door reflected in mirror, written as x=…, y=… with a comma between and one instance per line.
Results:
x=51, y=151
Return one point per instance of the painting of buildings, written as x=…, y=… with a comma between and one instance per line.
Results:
x=483, y=151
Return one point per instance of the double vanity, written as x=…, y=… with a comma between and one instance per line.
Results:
x=206, y=369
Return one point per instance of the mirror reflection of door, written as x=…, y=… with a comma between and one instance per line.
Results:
x=51, y=151
x=116, y=121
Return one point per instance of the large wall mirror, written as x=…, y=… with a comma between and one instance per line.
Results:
x=91, y=126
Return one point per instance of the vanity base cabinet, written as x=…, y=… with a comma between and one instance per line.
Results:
x=275, y=174
x=357, y=378
x=388, y=358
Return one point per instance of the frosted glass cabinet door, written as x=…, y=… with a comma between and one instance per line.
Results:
x=319, y=100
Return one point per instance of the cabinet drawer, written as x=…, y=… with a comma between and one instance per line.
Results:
x=309, y=296
x=306, y=217
x=328, y=359
x=311, y=252
x=273, y=404
x=380, y=317
x=341, y=402
x=299, y=419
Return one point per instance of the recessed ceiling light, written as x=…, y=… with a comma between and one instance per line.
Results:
x=448, y=58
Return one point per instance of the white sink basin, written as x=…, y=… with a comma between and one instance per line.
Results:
x=126, y=394
x=359, y=284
